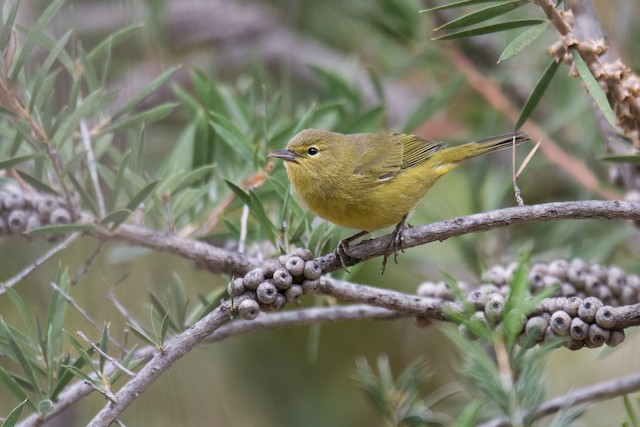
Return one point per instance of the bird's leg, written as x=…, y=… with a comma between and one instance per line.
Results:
x=342, y=250
x=396, y=242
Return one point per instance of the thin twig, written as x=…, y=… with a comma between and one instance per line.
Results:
x=113, y=361
x=244, y=219
x=80, y=310
x=590, y=394
x=38, y=262
x=85, y=135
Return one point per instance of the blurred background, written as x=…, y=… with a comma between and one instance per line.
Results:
x=383, y=50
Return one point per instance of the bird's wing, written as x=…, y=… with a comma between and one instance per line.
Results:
x=417, y=150
x=378, y=156
x=384, y=156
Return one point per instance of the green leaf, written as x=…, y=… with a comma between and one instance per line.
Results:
x=70, y=123
x=61, y=229
x=14, y=416
x=17, y=160
x=84, y=377
x=88, y=202
x=243, y=195
x=112, y=40
x=156, y=113
x=37, y=184
x=623, y=158
x=18, y=302
x=193, y=177
x=71, y=164
x=483, y=15
x=141, y=196
x=233, y=136
x=8, y=25
x=144, y=93
x=523, y=40
x=594, y=89
x=104, y=345
x=493, y=28
x=537, y=93
x=46, y=65
x=164, y=328
x=143, y=336
x=457, y=4
x=34, y=34
x=12, y=386
x=22, y=358
x=257, y=210
x=116, y=217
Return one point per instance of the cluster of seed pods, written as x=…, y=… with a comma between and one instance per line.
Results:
x=21, y=211
x=276, y=283
x=582, y=311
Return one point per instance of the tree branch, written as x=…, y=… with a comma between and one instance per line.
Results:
x=442, y=230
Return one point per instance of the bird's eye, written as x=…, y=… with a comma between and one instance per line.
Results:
x=312, y=151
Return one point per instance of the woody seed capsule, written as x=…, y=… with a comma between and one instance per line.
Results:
x=267, y=292
x=236, y=287
x=494, y=307
x=253, y=278
x=588, y=308
x=616, y=337
x=60, y=216
x=294, y=293
x=13, y=200
x=598, y=335
x=572, y=305
x=270, y=267
x=535, y=327
x=279, y=302
x=310, y=286
x=574, y=344
x=605, y=317
x=305, y=254
x=17, y=220
x=295, y=265
x=558, y=268
x=560, y=322
x=282, y=279
x=477, y=298
x=249, y=309
x=427, y=290
x=312, y=270
x=579, y=329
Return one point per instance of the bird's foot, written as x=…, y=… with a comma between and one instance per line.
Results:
x=341, y=251
x=396, y=243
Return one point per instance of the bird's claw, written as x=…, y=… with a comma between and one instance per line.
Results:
x=396, y=243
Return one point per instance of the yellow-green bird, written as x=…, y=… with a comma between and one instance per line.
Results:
x=370, y=181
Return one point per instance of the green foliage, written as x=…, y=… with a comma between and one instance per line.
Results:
x=398, y=399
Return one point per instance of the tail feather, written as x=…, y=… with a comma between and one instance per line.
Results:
x=487, y=145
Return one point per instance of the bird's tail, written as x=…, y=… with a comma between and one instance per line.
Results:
x=487, y=145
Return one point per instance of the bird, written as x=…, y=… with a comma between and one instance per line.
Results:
x=371, y=181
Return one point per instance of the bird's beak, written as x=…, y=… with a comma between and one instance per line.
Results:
x=285, y=154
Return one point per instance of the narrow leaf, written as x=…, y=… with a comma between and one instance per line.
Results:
x=8, y=25
x=156, y=113
x=14, y=416
x=239, y=192
x=61, y=229
x=623, y=158
x=112, y=40
x=493, y=28
x=11, y=385
x=523, y=40
x=116, y=217
x=144, y=93
x=16, y=161
x=482, y=15
x=37, y=184
x=457, y=4
x=46, y=65
x=141, y=196
x=34, y=34
x=537, y=93
x=143, y=336
x=594, y=89
x=21, y=358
